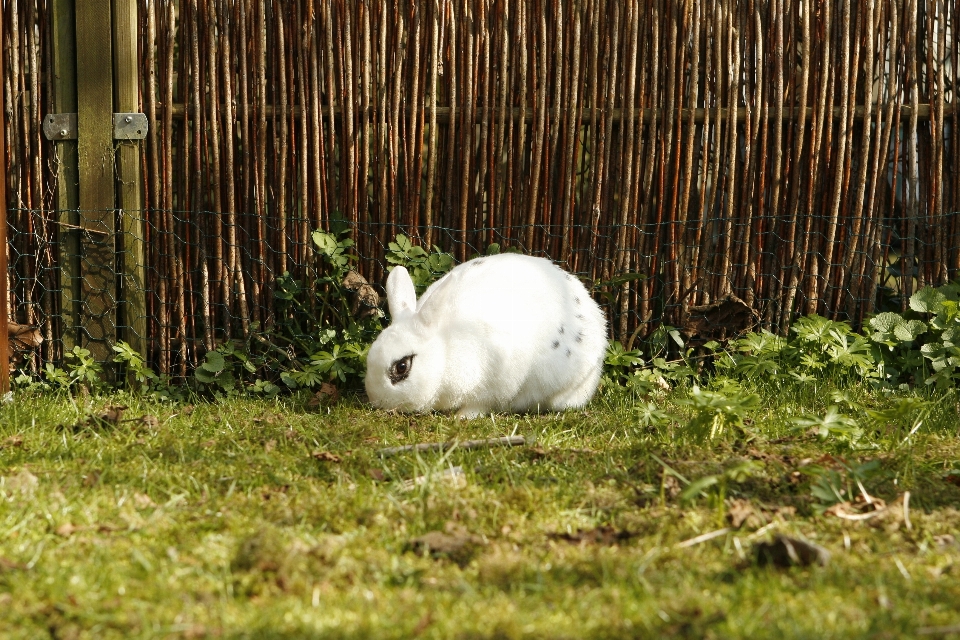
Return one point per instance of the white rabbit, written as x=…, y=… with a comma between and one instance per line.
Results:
x=500, y=333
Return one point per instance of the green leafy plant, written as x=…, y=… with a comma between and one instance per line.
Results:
x=135, y=366
x=737, y=473
x=620, y=363
x=840, y=482
x=904, y=411
x=609, y=289
x=241, y=366
x=818, y=349
x=215, y=373
x=922, y=344
x=758, y=355
x=55, y=376
x=628, y=368
x=80, y=368
x=650, y=415
x=326, y=330
x=833, y=424
x=425, y=267
x=715, y=412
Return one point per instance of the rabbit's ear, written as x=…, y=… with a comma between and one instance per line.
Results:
x=401, y=296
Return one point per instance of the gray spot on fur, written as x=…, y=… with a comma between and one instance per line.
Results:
x=576, y=300
x=561, y=329
x=477, y=262
x=580, y=316
x=579, y=336
x=568, y=353
x=556, y=343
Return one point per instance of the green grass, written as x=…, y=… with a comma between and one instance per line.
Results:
x=221, y=522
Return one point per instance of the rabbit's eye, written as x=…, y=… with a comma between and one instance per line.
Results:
x=400, y=369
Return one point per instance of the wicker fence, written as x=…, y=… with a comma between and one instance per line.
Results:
x=801, y=155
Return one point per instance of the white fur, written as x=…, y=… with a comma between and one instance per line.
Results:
x=500, y=333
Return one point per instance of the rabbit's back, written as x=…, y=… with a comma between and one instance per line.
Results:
x=521, y=334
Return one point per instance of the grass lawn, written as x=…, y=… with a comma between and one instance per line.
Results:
x=267, y=519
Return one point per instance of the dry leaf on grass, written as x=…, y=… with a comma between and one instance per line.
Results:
x=269, y=446
x=741, y=512
x=143, y=501
x=456, y=543
x=91, y=478
x=453, y=477
x=113, y=414
x=67, y=529
x=745, y=514
x=425, y=621
x=150, y=422
x=671, y=486
x=12, y=441
x=199, y=631
x=9, y=565
x=326, y=396
x=945, y=540
x=325, y=456
x=23, y=483
x=605, y=535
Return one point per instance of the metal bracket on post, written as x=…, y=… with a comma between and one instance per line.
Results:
x=60, y=126
x=130, y=126
x=126, y=126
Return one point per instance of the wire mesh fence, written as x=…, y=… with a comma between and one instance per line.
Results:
x=799, y=154
x=194, y=301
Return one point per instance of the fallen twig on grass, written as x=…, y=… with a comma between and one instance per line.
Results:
x=509, y=441
x=703, y=538
x=938, y=631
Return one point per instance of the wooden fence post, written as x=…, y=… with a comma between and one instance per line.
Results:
x=4, y=276
x=98, y=290
x=130, y=192
x=67, y=192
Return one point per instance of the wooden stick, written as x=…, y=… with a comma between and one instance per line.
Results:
x=509, y=441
